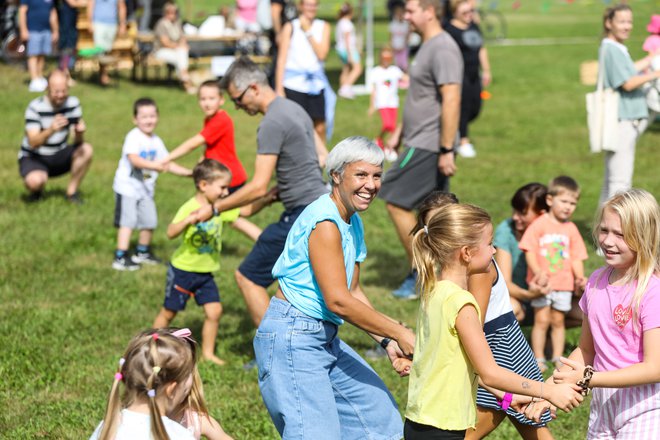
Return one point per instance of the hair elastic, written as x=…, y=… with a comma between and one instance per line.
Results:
x=182, y=333
x=122, y=361
x=119, y=376
x=151, y=393
x=155, y=336
x=156, y=369
x=426, y=230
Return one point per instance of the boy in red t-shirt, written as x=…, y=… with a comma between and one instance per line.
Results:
x=218, y=136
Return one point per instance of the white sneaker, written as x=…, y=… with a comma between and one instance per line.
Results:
x=467, y=150
x=36, y=85
x=391, y=155
x=346, y=92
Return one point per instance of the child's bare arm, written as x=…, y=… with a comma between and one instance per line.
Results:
x=175, y=229
x=212, y=430
x=540, y=277
x=186, y=147
x=402, y=366
x=178, y=170
x=578, y=274
x=145, y=164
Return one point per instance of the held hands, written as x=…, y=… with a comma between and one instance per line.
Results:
x=565, y=396
x=535, y=409
x=571, y=376
x=402, y=366
x=406, y=341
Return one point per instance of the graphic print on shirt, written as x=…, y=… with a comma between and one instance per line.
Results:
x=554, y=248
x=205, y=238
x=621, y=316
x=140, y=173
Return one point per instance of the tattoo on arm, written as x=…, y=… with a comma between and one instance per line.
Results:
x=526, y=385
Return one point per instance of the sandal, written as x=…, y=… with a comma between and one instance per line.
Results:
x=543, y=366
x=557, y=363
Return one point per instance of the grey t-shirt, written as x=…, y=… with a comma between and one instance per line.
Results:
x=287, y=131
x=438, y=62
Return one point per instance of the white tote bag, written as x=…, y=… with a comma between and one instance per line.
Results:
x=602, y=115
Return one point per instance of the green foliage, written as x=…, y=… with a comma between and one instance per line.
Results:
x=67, y=316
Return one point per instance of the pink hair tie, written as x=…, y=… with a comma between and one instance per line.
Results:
x=118, y=376
x=182, y=333
x=155, y=336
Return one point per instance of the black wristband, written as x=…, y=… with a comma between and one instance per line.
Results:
x=385, y=342
x=445, y=150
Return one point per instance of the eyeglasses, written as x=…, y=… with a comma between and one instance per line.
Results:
x=238, y=101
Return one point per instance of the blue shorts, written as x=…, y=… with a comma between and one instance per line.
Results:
x=181, y=285
x=258, y=265
x=343, y=56
x=39, y=43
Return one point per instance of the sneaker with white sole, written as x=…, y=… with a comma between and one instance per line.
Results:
x=145, y=258
x=467, y=151
x=124, y=264
x=408, y=288
x=37, y=85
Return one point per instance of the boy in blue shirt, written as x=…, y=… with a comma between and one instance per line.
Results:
x=39, y=28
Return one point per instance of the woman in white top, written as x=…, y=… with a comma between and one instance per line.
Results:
x=171, y=46
x=300, y=74
x=347, y=50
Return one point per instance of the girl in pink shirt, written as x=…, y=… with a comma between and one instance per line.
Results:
x=621, y=327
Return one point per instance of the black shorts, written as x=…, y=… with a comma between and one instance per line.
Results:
x=412, y=177
x=314, y=105
x=417, y=431
x=55, y=165
x=182, y=285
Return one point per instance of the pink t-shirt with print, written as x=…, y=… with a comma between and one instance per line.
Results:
x=555, y=245
x=617, y=343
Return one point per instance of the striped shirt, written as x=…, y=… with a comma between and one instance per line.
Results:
x=39, y=116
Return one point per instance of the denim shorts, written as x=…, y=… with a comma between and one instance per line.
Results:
x=317, y=387
x=39, y=43
x=258, y=265
x=559, y=300
x=181, y=285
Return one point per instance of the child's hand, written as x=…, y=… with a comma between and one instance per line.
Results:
x=535, y=410
x=565, y=396
x=192, y=218
x=520, y=402
x=273, y=195
x=580, y=284
x=402, y=366
x=371, y=111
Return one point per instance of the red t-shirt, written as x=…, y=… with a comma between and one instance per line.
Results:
x=218, y=132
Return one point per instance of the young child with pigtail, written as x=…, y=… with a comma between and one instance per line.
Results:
x=162, y=385
x=454, y=244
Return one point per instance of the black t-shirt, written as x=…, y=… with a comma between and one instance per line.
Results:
x=469, y=42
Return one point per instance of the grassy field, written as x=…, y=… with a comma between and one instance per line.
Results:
x=66, y=316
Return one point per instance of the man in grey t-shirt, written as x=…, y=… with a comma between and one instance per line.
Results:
x=288, y=147
x=430, y=125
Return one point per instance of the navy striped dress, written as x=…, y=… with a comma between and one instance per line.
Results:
x=509, y=346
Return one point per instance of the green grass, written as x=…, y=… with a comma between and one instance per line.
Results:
x=66, y=316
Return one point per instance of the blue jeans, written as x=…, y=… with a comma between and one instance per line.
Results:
x=317, y=387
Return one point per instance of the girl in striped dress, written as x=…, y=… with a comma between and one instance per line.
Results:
x=621, y=327
x=504, y=337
